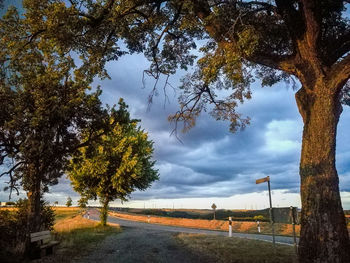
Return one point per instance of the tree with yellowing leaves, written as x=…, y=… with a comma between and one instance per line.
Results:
x=116, y=164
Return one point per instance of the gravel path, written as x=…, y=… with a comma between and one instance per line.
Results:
x=142, y=246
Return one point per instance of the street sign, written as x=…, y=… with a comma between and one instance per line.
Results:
x=262, y=180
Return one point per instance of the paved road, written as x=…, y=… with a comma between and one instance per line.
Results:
x=94, y=214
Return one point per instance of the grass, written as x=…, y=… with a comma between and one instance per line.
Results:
x=228, y=250
x=78, y=235
x=65, y=212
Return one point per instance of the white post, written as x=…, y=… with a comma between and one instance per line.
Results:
x=258, y=226
x=149, y=218
x=230, y=227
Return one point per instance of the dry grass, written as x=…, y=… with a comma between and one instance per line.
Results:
x=78, y=236
x=70, y=224
x=8, y=208
x=226, y=250
x=238, y=226
x=66, y=212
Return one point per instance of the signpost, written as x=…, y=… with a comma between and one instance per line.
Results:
x=263, y=180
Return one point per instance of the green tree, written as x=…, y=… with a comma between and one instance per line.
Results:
x=307, y=40
x=45, y=101
x=115, y=165
x=82, y=202
x=69, y=202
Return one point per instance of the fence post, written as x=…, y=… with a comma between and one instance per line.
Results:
x=230, y=227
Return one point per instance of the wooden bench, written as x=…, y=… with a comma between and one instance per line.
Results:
x=44, y=242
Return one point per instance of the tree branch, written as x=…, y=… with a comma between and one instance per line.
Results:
x=285, y=63
x=340, y=73
x=338, y=48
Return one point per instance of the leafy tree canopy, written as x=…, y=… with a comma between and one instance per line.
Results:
x=116, y=164
x=44, y=102
x=240, y=40
x=69, y=202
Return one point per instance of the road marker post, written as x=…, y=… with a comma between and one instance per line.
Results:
x=149, y=219
x=230, y=227
x=258, y=222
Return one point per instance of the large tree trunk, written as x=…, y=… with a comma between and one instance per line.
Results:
x=104, y=211
x=324, y=236
x=34, y=215
x=34, y=198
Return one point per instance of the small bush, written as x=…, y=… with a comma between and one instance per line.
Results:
x=14, y=227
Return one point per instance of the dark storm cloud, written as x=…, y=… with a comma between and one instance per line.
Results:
x=210, y=161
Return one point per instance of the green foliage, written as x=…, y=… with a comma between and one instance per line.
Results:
x=44, y=102
x=82, y=202
x=69, y=202
x=239, y=40
x=116, y=164
x=13, y=226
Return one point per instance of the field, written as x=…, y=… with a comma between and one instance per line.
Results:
x=221, y=214
x=65, y=212
x=223, y=225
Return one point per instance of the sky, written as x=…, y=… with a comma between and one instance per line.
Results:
x=209, y=164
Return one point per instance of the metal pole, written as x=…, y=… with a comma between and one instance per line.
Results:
x=271, y=218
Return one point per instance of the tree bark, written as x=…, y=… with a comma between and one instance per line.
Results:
x=34, y=216
x=324, y=236
x=104, y=211
x=34, y=198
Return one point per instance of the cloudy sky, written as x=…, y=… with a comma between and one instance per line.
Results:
x=210, y=164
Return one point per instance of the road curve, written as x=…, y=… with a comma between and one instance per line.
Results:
x=94, y=215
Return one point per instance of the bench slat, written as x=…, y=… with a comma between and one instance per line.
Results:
x=51, y=244
x=33, y=239
x=42, y=233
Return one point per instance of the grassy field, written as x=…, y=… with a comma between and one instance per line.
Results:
x=228, y=250
x=221, y=214
x=66, y=212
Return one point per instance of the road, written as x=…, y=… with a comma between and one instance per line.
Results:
x=94, y=214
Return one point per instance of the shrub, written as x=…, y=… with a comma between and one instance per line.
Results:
x=14, y=228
